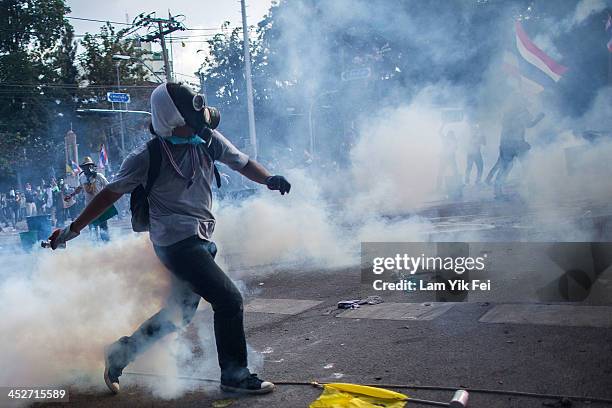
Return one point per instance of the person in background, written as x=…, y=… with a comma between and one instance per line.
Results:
x=448, y=160
x=30, y=200
x=91, y=183
x=47, y=190
x=13, y=207
x=3, y=211
x=39, y=199
x=474, y=153
x=512, y=143
x=54, y=195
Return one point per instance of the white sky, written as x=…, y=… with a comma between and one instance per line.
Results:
x=198, y=14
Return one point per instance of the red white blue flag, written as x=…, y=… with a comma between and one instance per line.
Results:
x=103, y=159
x=533, y=68
x=75, y=167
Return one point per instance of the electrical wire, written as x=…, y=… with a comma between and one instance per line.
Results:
x=133, y=25
x=97, y=21
x=412, y=387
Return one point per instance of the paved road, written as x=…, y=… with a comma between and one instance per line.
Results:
x=305, y=341
x=407, y=339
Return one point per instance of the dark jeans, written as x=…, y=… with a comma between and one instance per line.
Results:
x=195, y=275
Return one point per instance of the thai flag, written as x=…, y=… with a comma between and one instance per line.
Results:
x=609, y=29
x=531, y=66
x=103, y=159
x=75, y=167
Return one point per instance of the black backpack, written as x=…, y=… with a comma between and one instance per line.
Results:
x=139, y=199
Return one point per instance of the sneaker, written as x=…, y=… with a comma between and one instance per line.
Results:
x=248, y=385
x=111, y=373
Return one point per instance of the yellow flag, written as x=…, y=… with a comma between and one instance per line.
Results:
x=342, y=395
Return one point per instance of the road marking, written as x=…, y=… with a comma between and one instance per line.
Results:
x=399, y=311
x=551, y=315
x=280, y=306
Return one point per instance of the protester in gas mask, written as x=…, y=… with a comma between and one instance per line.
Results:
x=181, y=227
x=92, y=183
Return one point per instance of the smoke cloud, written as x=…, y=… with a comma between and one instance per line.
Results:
x=61, y=308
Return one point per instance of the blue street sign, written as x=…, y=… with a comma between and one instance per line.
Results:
x=118, y=97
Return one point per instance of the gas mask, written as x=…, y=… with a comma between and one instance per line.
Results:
x=89, y=171
x=192, y=107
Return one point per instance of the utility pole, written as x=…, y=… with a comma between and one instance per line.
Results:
x=164, y=27
x=164, y=53
x=249, y=83
x=121, y=114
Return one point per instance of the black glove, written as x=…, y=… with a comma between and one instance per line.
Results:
x=278, y=183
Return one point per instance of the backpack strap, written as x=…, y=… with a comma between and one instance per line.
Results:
x=208, y=150
x=155, y=158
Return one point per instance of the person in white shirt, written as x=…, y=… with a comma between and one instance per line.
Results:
x=91, y=183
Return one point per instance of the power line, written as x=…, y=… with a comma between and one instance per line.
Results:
x=98, y=21
x=71, y=86
x=214, y=29
x=132, y=24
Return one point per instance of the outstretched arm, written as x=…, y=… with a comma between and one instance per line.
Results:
x=255, y=172
x=258, y=173
x=97, y=206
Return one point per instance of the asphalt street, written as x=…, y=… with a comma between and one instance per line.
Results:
x=292, y=320
x=453, y=349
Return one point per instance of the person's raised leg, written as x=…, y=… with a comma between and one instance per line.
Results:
x=178, y=311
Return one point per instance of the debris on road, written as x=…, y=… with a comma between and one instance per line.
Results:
x=356, y=303
x=222, y=403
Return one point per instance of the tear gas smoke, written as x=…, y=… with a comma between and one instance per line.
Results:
x=61, y=308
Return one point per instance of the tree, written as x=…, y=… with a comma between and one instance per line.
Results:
x=223, y=70
x=30, y=33
x=97, y=63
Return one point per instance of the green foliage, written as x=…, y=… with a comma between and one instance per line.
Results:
x=29, y=40
x=223, y=67
x=35, y=23
x=97, y=62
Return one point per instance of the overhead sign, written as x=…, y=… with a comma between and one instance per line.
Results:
x=118, y=97
x=357, y=73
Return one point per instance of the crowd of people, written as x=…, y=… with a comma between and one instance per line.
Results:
x=44, y=198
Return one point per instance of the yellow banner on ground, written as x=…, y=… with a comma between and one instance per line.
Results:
x=342, y=395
